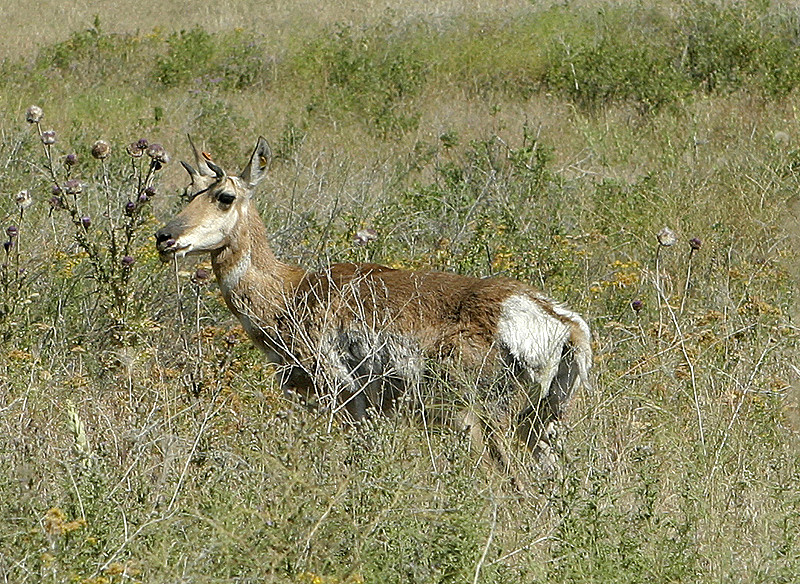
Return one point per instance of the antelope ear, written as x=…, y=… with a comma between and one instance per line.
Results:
x=200, y=160
x=258, y=164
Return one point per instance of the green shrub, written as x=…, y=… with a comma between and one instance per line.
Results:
x=234, y=60
x=367, y=75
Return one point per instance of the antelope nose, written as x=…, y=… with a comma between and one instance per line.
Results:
x=164, y=239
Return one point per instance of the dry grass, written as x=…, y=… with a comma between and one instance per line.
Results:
x=284, y=23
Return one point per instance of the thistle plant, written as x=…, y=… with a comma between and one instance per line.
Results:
x=666, y=238
x=12, y=275
x=694, y=245
x=107, y=212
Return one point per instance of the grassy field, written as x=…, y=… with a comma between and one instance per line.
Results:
x=142, y=438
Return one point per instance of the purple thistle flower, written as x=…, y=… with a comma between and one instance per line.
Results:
x=127, y=261
x=71, y=159
x=142, y=143
x=130, y=207
x=73, y=187
x=637, y=305
x=8, y=246
x=12, y=231
x=200, y=277
x=86, y=221
x=56, y=202
x=695, y=243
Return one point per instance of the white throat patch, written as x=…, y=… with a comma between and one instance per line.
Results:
x=230, y=280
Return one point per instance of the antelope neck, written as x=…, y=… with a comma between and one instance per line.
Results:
x=247, y=260
x=230, y=273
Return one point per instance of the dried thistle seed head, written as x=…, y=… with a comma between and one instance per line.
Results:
x=695, y=243
x=23, y=199
x=34, y=114
x=101, y=149
x=150, y=192
x=127, y=261
x=364, y=236
x=667, y=237
x=637, y=305
x=86, y=221
x=781, y=138
x=49, y=137
x=71, y=159
x=157, y=153
x=134, y=150
x=12, y=231
x=73, y=186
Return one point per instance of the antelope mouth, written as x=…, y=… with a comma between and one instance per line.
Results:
x=169, y=249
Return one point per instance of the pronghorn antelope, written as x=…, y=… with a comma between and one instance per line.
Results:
x=364, y=338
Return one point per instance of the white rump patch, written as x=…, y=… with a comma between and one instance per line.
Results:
x=531, y=335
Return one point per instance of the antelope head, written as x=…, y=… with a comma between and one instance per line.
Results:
x=218, y=203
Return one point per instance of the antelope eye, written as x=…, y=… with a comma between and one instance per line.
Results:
x=226, y=198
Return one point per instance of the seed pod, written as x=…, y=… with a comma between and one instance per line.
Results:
x=667, y=237
x=364, y=236
x=49, y=137
x=23, y=199
x=157, y=153
x=34, y=114
x=134, y=151
x=101, y=149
